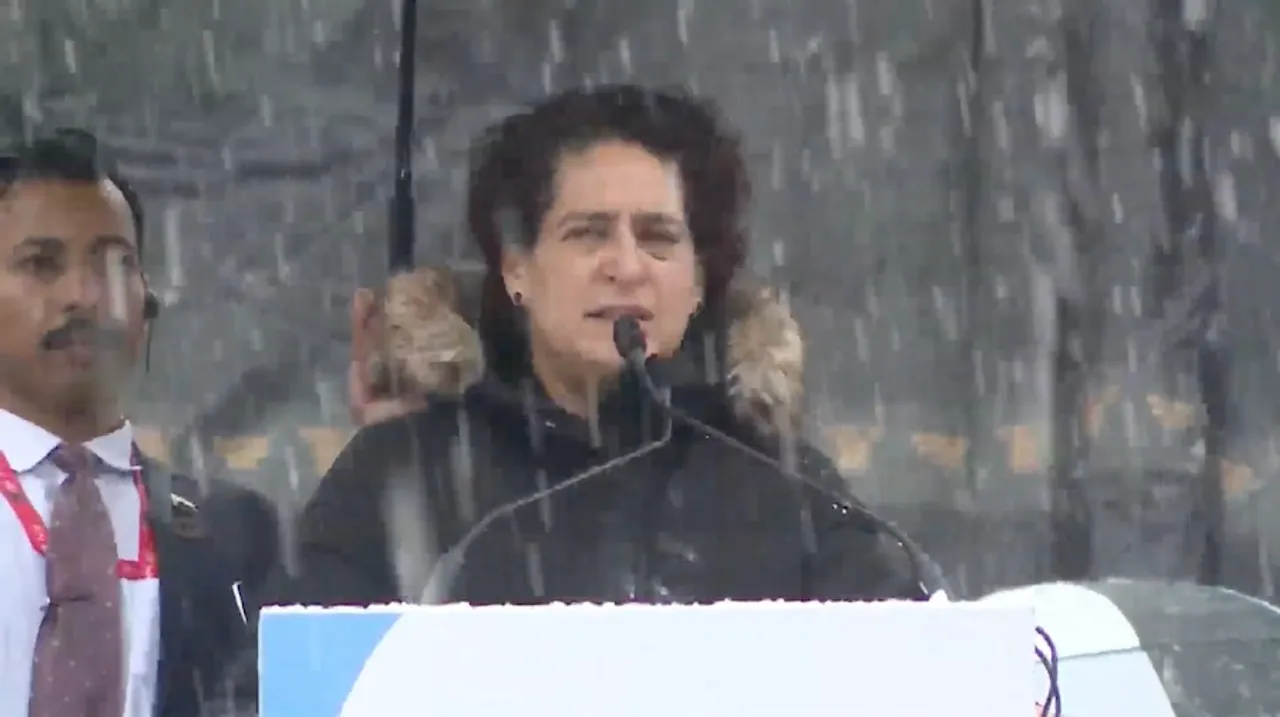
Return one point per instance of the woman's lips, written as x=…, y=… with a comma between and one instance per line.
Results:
x=617, y=312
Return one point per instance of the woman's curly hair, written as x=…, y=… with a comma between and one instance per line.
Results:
x=513, y=172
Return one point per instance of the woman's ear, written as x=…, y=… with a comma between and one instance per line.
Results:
x=514, y=273
x=365, y=338
x=699, y=291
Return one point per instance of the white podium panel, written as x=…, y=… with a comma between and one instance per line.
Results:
x=727, y=660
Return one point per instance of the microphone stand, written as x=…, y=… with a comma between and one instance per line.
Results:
x=444, y=573
x=629, y=339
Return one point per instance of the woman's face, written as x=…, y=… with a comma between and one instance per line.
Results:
x=614, y=242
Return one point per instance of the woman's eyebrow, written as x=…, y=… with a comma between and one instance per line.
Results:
x=659, y=220
x=588, y=217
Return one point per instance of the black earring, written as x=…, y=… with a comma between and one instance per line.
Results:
x=150, y=306
x=150, y=310
x=517, y=298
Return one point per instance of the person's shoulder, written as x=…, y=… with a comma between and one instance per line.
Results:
x=175, y=499
x=409, y=436
x=184, y=491
x=405, y=447
x=190, y=563
x=823, y=487
x=785, y=450
x=785, y=443
x=221, y=492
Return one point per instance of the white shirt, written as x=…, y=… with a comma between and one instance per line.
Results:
x=22, y=570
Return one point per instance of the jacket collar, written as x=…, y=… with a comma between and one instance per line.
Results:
x=752, y=352
x=627, y=415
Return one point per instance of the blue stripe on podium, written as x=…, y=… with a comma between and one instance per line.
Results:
x=308, y=662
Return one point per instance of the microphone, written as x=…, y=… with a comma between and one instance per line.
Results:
x=444, y=573
x=629, y=340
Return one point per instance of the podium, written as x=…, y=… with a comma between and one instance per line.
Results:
x=889, y=659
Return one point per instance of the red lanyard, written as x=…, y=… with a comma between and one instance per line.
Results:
x=144, y=568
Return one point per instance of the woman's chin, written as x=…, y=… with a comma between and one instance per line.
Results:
x=602, y=360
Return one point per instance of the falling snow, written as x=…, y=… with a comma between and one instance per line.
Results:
x=1027, y=241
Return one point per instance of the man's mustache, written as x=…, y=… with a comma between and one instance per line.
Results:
x=83, y=330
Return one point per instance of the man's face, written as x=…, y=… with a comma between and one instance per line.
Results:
x=71, y=290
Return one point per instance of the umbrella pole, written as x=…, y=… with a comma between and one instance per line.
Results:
x=402, y=237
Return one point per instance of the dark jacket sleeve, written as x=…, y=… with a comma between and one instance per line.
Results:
x=245, y=527
x=857, y=558
x=342, y=552
x=202, y=638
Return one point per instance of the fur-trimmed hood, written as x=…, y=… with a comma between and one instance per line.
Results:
x=432, y=347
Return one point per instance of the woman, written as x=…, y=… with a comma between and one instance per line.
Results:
x=596, y=205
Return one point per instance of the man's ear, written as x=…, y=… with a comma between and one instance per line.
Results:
x=364, y=338
x=357, y=392
x=364, y=315
x=515, y=272
x=699, y=290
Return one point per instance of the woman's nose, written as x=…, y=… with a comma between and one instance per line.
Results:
x=623, y=260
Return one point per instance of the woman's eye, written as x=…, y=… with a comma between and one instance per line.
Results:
x=587, y=233
x=660, y=244
x=41, y=264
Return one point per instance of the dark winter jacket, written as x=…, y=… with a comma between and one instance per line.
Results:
x=695, y=520
x=200, y=627
x=245, y=528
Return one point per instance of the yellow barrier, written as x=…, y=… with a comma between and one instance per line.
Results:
x=246, y=453
x=852, y=447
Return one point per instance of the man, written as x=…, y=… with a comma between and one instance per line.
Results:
x=111, y=602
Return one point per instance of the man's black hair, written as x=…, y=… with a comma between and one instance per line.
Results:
x=70, y=155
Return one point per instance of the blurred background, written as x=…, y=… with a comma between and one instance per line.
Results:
x=1027, y=238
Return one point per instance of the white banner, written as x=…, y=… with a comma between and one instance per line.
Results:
x=726, y=660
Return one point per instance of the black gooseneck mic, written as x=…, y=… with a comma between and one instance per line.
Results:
x=630, y=341
x=444, y=572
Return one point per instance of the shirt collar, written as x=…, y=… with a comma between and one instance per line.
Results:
x=25, y=444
